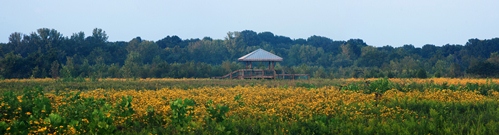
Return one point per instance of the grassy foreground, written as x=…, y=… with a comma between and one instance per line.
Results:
x=204, y=106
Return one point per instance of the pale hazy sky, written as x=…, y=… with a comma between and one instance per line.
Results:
x=377, y=22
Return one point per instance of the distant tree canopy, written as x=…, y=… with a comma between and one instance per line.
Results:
x=47, y=53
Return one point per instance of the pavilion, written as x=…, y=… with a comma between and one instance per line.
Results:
x=249, y=72
x=260, y=55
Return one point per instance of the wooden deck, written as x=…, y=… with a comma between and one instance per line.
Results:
x=261, y=74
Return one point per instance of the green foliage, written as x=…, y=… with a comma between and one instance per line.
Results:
x=305, y=85
x=379, y=86
x=71, y=79
x=182, y=111
x=217, y=113
x=239, y=99
x=46, y=53
x=353, y=86
x=101, y=121
x=484, y=89
x=55, y=120
x=399, y=115
x=421, y=74
x=32, y=105
x=125, y=107
x=124, y=110
x=3, y=127
x=484, y=69
x=87, y=115
x=11, y=104
x=153, y=119
x=82, y=84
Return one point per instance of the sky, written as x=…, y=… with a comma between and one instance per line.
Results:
x=377, y=22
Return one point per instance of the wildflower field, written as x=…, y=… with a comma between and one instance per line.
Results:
x=204, y=106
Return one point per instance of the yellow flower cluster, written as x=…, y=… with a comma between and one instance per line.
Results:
x=104, y=79
x=285, y=102
x=29, y=80
x=439, y=95
x=449, y=81
x=439, y=81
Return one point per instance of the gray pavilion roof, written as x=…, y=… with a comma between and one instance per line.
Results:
x=260, y=55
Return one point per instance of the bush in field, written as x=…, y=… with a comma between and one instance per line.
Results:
x=182, y=111
x=216, y=117
x=421, y=73
x=23, y=110
x=379, y=86
x=87, y=115
x=124, y=109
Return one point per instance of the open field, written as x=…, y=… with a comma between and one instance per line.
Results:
x=204, y=106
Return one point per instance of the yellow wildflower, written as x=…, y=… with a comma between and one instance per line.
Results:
x=84, y=120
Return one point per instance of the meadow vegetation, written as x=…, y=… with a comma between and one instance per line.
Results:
x=205, y=106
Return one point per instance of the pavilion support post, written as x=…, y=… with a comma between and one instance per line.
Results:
x=275, y=74
x=242, y=74
x=263, y=74
x=248, y=65
x=251, y=74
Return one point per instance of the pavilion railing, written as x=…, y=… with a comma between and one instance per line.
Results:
x=261, y=74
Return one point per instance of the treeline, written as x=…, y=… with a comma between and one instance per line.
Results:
x=47, y=53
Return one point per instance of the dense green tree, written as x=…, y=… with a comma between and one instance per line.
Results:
x=13, y=66
x=207, y=51
x=494, y=58
x=99, y=68
x=77, y=44
x=300, y=41
x=442, y=68
x=99, y=36
x=320, y=73
x=114, y=71
x=54, y=69
x=68, y=70
x=319, y=41
x=421, y=73
x=455, y=70
x=159, y=68
x=132, y=65
x=47, y=53
x=484, y=69
x=371, y=56
x=248, y=38
x=429, y=50
x=267, y=37
x=170, y=42
x=450, y=49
